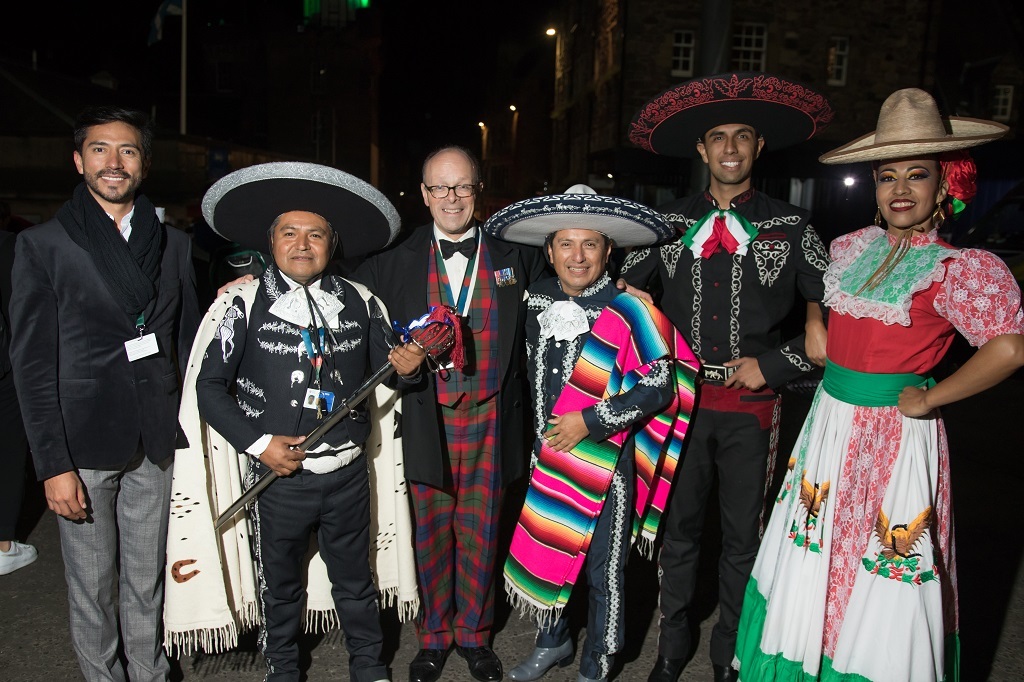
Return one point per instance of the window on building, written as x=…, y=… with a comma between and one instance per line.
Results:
x=749, y=44
x=682, y=53
x=1002, y=102
x=838, y=59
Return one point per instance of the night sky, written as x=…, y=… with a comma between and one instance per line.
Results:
x=438, y=56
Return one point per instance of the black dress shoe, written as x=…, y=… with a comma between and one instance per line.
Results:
x=427, y=665
x=667, y=669
x=484, y=664
x=725, y=674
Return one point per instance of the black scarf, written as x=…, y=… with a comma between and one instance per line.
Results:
x=129, y=269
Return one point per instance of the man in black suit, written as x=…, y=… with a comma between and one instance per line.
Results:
x=466, y=428
x=104, y=304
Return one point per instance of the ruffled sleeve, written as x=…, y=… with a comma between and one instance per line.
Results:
x=980, y=297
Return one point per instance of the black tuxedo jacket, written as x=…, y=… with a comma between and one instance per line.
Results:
x=399, y=277
x=84, y=404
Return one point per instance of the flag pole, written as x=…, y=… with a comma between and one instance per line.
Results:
x=184, y=65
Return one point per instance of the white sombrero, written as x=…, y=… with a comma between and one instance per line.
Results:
x=242, y=205
x=530, y=221
x=909, y=124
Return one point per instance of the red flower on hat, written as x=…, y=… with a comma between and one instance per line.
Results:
x=961, y=175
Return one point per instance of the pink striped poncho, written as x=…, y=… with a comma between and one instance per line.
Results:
x=568, y=489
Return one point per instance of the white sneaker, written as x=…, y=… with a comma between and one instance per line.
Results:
x=16, y=557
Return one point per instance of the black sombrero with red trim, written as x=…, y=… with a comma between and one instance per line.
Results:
x=783, y=112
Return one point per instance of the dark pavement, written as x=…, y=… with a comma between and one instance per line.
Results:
x=987, y=443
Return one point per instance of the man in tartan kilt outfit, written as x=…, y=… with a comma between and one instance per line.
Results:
x=464, y=429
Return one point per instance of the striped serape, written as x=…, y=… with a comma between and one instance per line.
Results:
x=567, y=489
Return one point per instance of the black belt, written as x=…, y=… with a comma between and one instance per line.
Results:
x=716, y=374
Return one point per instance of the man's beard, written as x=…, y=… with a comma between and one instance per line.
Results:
x=96, y=183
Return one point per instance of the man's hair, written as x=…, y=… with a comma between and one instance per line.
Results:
x=101, y=115
x=473, y=163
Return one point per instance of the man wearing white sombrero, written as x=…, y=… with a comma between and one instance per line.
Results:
x=274, y=358
x=612, y=390
x=730, y=278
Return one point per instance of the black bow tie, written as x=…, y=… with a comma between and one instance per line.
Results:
x=467, y=247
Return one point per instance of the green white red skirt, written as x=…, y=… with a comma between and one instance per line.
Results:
x=855, y=579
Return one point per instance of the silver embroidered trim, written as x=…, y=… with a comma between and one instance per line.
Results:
x=734, y=310
x=778, y=220
x=336, y=377
x=539, y=302
x=251, y=388
x=770, y=257
x=539, y=418
x=698, y=299
x=250, y=411
x=616, y=421
x=281, y=348
x=279, y=327
x=796, y=360
x=670, y=254
x=814, y=250
x=633, y=258
x=297, y=377
x=270, y=284
x=621, y=515
x=658, y=374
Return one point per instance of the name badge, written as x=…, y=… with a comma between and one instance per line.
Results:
x=322, y=401
x=141, y=347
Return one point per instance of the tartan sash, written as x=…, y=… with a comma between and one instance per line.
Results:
x=479, y=378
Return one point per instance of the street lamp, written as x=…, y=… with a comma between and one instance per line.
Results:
x=550, y=32
x=483, y=140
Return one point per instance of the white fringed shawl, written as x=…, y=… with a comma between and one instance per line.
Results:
x=211, y=588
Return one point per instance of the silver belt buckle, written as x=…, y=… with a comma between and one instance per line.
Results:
x=717, y=373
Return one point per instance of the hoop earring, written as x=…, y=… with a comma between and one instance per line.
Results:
x=938, y=217
x=878, y=217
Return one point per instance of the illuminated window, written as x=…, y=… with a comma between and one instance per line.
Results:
x=749, y=44
x=682, y=53
x=1002, y=102
x=838, y=60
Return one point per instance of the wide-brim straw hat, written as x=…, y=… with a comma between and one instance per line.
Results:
x=626, y=222
x=909, y=124
x=242, y=205
x=782, y=111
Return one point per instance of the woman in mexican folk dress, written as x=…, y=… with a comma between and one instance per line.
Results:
x=855, y=579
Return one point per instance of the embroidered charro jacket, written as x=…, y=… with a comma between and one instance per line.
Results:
x=256, y=371
x=551, y=362
x=730, y=305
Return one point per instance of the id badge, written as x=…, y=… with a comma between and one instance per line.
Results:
x=141, y=347
x=313, y=399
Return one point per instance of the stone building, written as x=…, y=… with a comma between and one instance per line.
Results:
x=614, y=55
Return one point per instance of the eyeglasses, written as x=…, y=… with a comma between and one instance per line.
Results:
x=441, y=191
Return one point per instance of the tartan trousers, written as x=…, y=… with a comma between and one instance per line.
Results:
x=457, y=533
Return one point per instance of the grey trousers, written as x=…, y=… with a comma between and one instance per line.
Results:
x=114, y=564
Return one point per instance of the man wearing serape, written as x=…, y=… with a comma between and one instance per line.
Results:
x=612, y=387
x=287, y=350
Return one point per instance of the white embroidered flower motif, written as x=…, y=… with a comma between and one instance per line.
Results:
x=298, y=377
x=770, y=257
x=251, y=388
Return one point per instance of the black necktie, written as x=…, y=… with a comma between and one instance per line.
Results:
x=467, y=247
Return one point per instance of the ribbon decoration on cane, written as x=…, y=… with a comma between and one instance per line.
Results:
x=719, y=228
